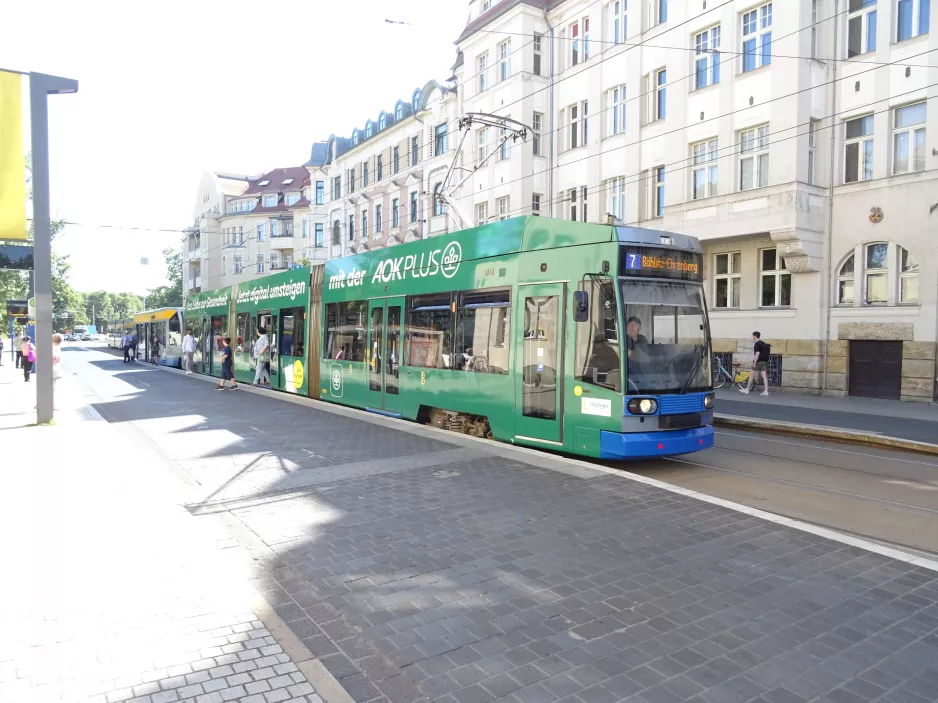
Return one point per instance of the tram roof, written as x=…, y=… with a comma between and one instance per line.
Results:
x=156, y=315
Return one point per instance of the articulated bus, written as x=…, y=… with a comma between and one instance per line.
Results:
x=582, y=338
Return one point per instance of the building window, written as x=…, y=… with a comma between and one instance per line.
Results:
x=336, y=232
x=909, y=138
x=577, y=124
x=537, y=54
x=575, y=44
x=757, y=37
x=483, y=72
x=812, y=152
x=351, y=228
x=615, y=194
x=368, y=130
x=238, y=263
x=223, y=265
x=577, y=198
x=259, y=263
x=305, y=222
x=616, y=100
x=355, y=137
x=414, y=150
x=482, y=213
x=317, y=240
x=537, y=124
x=659, y=191
x=726, y=280
x=336, y=187
x=382, y=121
x=364, y=224
x=396, y=159
x=351, y=180
x=293, y=198
x=535, y=204
x=618, y=19
x=274, y=261
x=911, y=18
x=399, y=112
x=439, y=141
x=274, y=228
x=486, y=4
x=270, y=201
x=814, y=25
x=379, y=168
x=754, y=158
x=504, y=207
x=877, y=273
x=707, y=57
x=395, y=213
x=661, y=97
x=482, y=144
x=845, y=282
x=439, y=207
x=704, y=175
x=908, y=277
x=776, y=280
x=504, y=150
x=320, y=192
x=413, y=206
x=504, y=60
x=585, y=24
x=261, y=234
x=858, y=149
x=379, y=219
x=364, y=174
x=861, y=27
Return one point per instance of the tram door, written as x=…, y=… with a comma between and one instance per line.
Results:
x=268, y=320
x=384, y=354
x=204, y=347
x=540, y=384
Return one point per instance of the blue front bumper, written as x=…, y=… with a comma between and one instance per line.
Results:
x=639, y=445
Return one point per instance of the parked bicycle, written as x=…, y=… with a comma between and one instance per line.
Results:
x=739, y=378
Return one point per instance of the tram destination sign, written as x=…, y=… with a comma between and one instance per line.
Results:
x=661, y=263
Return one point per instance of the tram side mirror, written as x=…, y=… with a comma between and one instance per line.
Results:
x=581, y=306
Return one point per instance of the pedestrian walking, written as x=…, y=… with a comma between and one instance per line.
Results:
x=188, y=348
x=29, y=357
x=125, y=343
x=18, y=348
x=155, y=345
x=227, y=367
x=262, y=358
x=760, y=364
x=56, y=359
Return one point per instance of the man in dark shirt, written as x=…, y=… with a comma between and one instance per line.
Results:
x=633, y=328
x=760, y=364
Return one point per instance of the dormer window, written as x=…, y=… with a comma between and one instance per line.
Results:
x=368, y=130
x=293, y=198
x=270, y=201
x=264, y=183
x=486, y=4
x=355, y=137
x=399, y=112
x=382, y=121
x=416, y=100
x=287, y=181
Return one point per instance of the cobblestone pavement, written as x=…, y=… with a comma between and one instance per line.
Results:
x=111, y=590
x=416, y=568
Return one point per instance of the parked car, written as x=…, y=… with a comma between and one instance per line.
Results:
x=85, y=338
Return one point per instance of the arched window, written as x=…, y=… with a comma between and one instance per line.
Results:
x=368, y=129
x=399, y=112
x=439, y=208
x=355, y=137
x=877, y=273
x=845, y=282
x=382, y=121
x=416, y=100
x=908, y=276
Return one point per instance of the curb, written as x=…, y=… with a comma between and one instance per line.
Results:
x=825, y=432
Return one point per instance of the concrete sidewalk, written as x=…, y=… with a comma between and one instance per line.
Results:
x=916, y=422
x=112, y=591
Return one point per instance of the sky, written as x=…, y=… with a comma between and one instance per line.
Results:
x=170, y=90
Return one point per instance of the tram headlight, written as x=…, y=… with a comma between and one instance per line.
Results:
x=708, y=401
x=643, y=406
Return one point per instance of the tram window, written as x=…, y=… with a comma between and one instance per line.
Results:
x=242, y=331
x=429, y=332
x=175, y=331
x=597, y=339
x=291, y=332
x=482, y=323
x=345, y=330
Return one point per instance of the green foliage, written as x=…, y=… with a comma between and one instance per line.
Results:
x=168, y=296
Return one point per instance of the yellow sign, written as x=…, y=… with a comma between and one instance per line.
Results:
x=578, y=391
x=12, y=158
x=297, y=374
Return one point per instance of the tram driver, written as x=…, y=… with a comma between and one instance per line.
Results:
x=633, y=330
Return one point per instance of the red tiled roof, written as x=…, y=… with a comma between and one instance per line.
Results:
x=299, y=174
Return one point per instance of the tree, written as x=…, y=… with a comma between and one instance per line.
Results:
x=168, y=296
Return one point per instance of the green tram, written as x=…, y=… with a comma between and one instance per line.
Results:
x=587, y=339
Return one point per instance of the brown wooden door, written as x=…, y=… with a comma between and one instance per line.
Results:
x=876, y=369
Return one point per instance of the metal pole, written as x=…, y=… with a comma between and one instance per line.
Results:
x=40, y=86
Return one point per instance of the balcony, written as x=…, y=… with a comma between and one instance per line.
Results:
x=282, y=241
x=193, y=254
x=280, y=267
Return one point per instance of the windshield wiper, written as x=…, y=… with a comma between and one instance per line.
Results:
x=699, y=360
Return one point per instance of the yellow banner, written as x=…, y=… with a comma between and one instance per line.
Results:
x=12, y=159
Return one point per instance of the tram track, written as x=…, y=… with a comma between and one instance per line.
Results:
x=890, y=497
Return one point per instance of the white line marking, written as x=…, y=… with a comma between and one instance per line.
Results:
x=831, y=449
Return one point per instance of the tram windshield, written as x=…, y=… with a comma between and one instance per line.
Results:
x=667, y=338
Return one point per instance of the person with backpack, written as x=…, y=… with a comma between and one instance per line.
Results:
x=29, y=357
x=760, y=364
